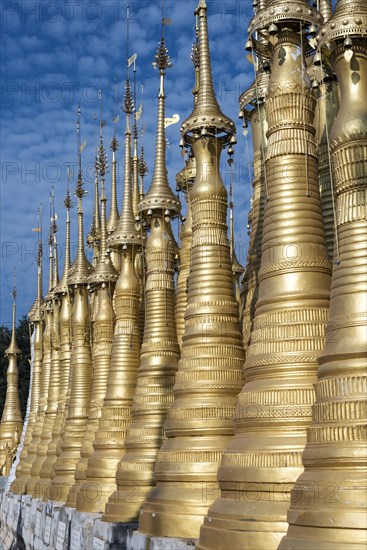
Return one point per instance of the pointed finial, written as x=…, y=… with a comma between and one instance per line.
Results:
x=81, y=268
x=104, y=271
x=143, y=170
x=13, y=348
x=55, y=249
x=126, y=232
x=62, y=287
x=207, y=115
x=50, y=242
x=160, y=196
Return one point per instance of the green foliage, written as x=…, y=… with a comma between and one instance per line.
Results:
x=23, y=340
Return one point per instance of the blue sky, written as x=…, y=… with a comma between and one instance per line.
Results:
x=56, y=54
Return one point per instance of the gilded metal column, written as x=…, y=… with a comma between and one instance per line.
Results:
x=264, y=459
x=328, y=507
x=81, y=361
x=108, y=445
x=45, y=375
x=184, y=180
x=36, y=318
x=11, y=420
x=326, y=111
x=199, y=423
x=253, y=110
x=102, y=282
x=160, y=351
x=62, y=293
x=54, y=383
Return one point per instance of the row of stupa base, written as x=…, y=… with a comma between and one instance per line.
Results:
x=28, y=523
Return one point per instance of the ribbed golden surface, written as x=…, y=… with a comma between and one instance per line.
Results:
x=199, y=423
x=42, y=405
x=156, y=376
x=250, y=282
x=183, y=273
x=101, y=355
x=264, y=459
x=326, y=111
x=46, y=471
x=184, y=180
x=81, y=385
x=11, y=420
x=23, y=468
x=52, y=404
x=328, y=507
x=109, y=439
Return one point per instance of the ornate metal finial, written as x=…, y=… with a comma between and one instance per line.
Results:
x=127, y=105
x=207, y=115
x=54, y=236
x=104, y=271
x=13, y=348
x=126, y=232
x=348, y=20
x=62, y=286
x=68, y=201
x=113, y=217
x=50, y=241
x=160, y=196
x=81, y=268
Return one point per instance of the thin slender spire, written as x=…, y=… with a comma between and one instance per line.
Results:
x=135, y=157
x=206, y=113
x=113, y=217
x=13, y=348
x=160, y=196
x=50, y=252
x=81, y=267
x=143, y=170
x=39, y=299
x=126, y=232
x=68, y=203
x=55, y=250
x=104, y=271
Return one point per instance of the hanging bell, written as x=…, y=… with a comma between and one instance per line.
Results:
x=240, y=113
x=182, y=143
x=233, y=139
x=348, y=43
x=273, y=30
x=312, y=31
x=203, y=132
x=317, y=59
x=314, y=84
x=248, y=46
x=230, y=150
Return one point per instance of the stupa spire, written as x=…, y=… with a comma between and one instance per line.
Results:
x=126, y=232
x=160, y=196
x=209, y=376
x=81, y=268
x=11, y=420
x=55, y=276
x=160, y=351
x=113, y=216
x=13, y=348
x=207, y=113
x=68, y=204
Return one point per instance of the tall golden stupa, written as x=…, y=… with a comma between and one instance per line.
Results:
x=223, y=408
x=11, y=420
